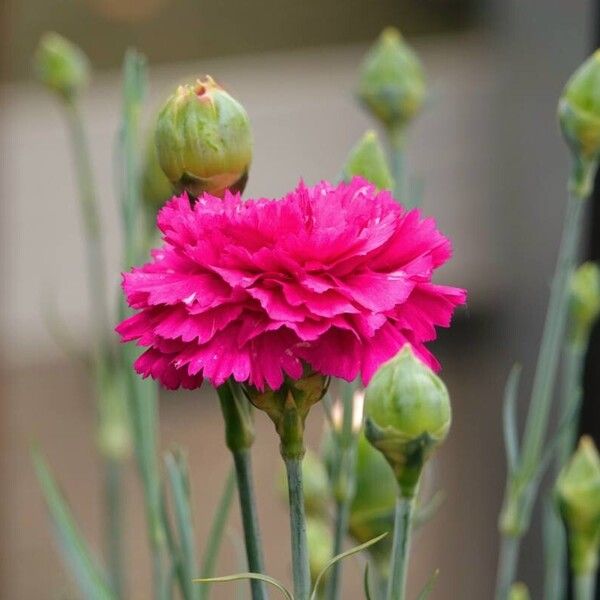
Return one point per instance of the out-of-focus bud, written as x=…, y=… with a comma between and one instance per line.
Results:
x=156, y=188
x=61, y=66
x=585, y=301
x=408, y=415
x=367, y=159
x=578, y=496
x=392, y=84
x=316, y=485
x=519, y=591
x=372, y=508
x=320, y=546
x=288, y=408
x=579, y=117
x=203, y=139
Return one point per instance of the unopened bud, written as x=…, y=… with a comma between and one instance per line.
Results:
x=408, y=415
x=61, y=66
x=578, y=496
x=392, y=84
x=367, y=159
x=156, y=188
x=203, y=139
x=519, y=591
x=585, y=300
x=579, y=117
x=320, y=546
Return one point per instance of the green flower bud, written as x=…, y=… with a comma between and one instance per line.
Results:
x=61, y=66
x=203, y=139
x=578, y=496
x=519, y=591
x=288, y=408
x=156, y=188
x=579, y=118
x=408, y=415
x=392, y=84
x=372, y=508
x=320, y=546
x=367, y=159
x=585, y=300
x=316, y=485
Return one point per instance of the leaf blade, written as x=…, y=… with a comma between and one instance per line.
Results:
x=341, y=556
x=76, y=553
x=258, y=576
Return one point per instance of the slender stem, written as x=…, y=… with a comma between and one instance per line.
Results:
x=396, y=138
x=555, y=540
x=101, y=328
x=552, y=338
x=342, y=515
x=584, y=586
x=300, y=565
x=401, y=548
x=113, y=525
x=243, y=471
x=523, y=485
x=344, y=483
x=507, y=566
x=96, y=271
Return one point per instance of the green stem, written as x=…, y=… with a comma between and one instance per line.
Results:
x=401, y=548
x=342, y=515
x=555, y=540
x=113, y=526
x=96, y=271
x=252, y=538
x=396, y=138
x=552, y=339
x=344, y=483
x=584, y=586
x=507, y=566
x=300, y=565
x=523, y=484
x=101, y=328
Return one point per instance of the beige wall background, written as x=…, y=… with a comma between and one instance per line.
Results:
x=493, y=166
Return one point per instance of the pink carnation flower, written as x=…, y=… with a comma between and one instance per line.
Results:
x=334, y=276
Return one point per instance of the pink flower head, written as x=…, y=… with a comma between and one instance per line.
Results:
x=337, y=277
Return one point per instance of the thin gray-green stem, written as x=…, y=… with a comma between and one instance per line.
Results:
x=401, y=549
x=300, y=567
x=552, y=338
x=96, y=271
x=522, y=485
x=113, y=524
x=344, y=482
x=252, y=538
x=396, y=139
x=555, y=538
x=507, y=566
x=100, y=323
x=142, y=395
x=584, y=586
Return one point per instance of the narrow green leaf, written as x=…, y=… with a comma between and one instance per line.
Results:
x=341, y=556
x=89, y=577
x=429, y=586
x=178, y=478
x=239, y=576
x=217, y=531
x=366, y=583
x=511, y=437
x=367, y=159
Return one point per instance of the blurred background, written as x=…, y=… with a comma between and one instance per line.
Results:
x=494, y=169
